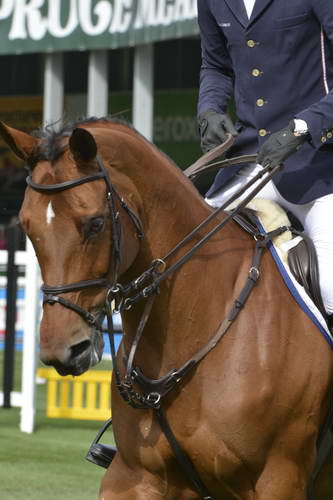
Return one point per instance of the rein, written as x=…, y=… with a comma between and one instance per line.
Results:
x=155, y=390
x=156, y=276
x=153, y=398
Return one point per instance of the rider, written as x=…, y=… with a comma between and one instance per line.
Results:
x=275, y=58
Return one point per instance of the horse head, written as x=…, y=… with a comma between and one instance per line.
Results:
x=84, y=234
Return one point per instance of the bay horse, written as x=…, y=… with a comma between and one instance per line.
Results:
x=248, y=415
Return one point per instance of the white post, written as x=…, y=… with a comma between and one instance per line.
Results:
x=53, y=102
x=31, y=317
x=143, y=90
x=98, y=88
x=53, y=105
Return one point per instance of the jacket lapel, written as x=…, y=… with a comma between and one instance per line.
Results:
x=237, y=7
x=259, y=7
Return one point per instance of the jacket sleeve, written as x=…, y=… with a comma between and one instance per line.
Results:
x=216, y=75
x=319, y=116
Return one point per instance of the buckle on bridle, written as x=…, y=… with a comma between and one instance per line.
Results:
x=149, y=290
x=146, y=291
x=254, y=273
x=154, y=399
x=159, y=263
x=49, y=299
x=126, y=305
x=116, y=289
x=113, y=291
x=90, y=318
x=259, y=237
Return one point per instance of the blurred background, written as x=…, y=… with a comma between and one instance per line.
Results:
x=60, y=61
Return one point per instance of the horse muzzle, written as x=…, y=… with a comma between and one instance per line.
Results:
x=76, y=358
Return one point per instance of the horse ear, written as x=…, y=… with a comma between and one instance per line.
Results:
x=82, y=145
x=20, y=143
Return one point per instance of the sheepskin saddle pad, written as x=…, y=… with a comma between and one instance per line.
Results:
x=296, y=250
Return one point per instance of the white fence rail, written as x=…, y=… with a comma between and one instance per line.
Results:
x=28, y=314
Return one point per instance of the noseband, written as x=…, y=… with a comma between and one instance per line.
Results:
x=51, y=293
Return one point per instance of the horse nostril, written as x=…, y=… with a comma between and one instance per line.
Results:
x=79, y=348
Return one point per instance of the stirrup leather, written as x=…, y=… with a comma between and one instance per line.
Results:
x=101, y=454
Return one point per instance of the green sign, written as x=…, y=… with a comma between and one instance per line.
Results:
x=175, y=125
x=58, y=25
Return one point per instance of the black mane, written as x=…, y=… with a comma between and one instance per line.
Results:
x=50, y=149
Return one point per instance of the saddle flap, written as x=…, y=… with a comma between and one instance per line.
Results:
x=299, y=263
x=303, y=263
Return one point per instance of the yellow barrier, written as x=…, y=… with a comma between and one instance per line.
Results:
x=87, y=397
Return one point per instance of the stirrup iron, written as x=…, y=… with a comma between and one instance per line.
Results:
x=101, y=454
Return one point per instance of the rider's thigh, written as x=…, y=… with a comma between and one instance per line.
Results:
x=317, y=222
x=243, y=176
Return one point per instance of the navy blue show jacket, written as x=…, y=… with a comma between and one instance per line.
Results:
x=277, y=65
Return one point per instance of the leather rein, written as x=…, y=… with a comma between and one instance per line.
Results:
x=146, y=287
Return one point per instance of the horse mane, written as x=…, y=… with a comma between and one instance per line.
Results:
x=50, y=146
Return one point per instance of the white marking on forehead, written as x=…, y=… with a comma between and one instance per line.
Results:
x=49, y=213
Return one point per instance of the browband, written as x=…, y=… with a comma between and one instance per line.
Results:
x=62, y=186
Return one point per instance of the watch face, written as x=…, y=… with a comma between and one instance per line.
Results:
x=300, y=127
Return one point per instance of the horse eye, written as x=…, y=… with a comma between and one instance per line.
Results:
x=95, y=226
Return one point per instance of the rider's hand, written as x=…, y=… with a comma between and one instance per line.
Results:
x=281, y=145
x=213, y=129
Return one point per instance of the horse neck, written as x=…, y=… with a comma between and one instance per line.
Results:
x=170, y=205
x=172, y=208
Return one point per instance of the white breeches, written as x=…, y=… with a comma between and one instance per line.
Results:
x=316, y=218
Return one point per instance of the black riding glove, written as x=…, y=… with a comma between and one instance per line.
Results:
x=213, y=129
x=280, y=146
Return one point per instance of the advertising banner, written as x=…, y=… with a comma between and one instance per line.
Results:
x=58, y=25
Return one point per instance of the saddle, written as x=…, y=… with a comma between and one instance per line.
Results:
x=302, y=258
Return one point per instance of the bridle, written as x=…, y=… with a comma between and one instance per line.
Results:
x=51, y=293
x=154, y=391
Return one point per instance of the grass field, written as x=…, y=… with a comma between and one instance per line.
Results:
x=48, y=464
